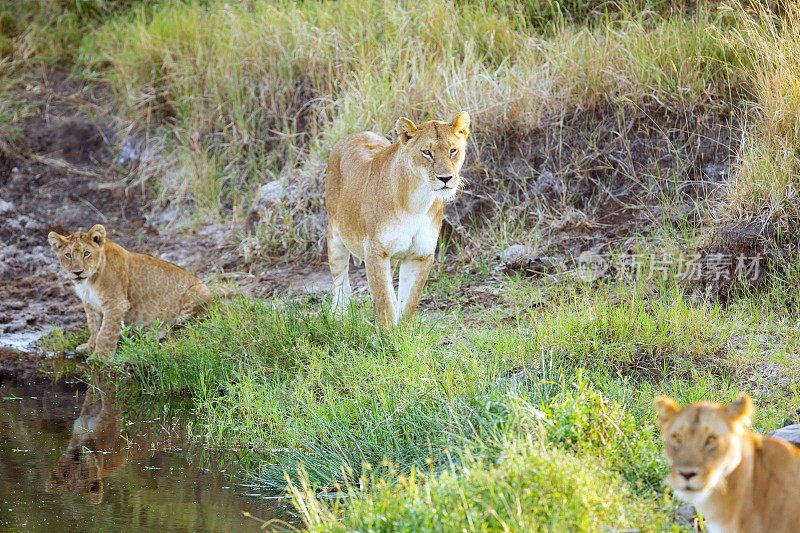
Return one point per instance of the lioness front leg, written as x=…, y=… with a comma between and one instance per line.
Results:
x=379, y=276
x=339, y=261
x=94, y=319
x=108, y=336
x=413, y=275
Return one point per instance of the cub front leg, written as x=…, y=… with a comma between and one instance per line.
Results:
x=108, y=336
x=94, y=319
x=413, y=275
x=379, y=276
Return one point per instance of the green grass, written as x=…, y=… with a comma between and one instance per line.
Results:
x=438, y=418
x=533, y=487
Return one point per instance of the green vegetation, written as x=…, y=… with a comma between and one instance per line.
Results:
x=532, y=488
x=516, y=400
x=437, y=419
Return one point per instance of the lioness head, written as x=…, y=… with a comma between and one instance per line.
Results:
x=80, y=253
x=702, y=442
x=436, y=151
x=78, y=470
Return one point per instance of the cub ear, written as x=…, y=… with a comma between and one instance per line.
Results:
x=405, y=129
x=666, y=409
x=97, y=234
x=460, y=124
x=56, y=241
x=741, y=409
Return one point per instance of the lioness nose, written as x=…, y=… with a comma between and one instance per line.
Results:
x=444, y=179
x=77, y=272
x=688, y=474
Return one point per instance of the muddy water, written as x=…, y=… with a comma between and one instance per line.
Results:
x=76, y=456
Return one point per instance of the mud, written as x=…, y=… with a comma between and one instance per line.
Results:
x=36, y=198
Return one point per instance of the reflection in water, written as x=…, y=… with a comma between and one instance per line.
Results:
x=98, y=447
x=78, y=457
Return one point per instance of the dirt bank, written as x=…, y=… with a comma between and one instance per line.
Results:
x=60, y=175
x=599, y=177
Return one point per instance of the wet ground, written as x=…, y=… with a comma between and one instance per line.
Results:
x=78, y=457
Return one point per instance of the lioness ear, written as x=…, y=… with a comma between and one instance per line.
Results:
x=56, y=241
x=97, y=234
x=741, y=409
x=666, y=409
x=461, y=124
x=405, y=129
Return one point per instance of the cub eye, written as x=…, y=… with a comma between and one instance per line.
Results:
x=453, y=152
x=676, y=438
x=87, y=254
x=426, y=153
x=68, y=256
x=711, y=440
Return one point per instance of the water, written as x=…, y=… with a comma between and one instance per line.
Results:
x=78, y=457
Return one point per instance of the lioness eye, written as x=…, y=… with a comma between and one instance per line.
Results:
x=426, y=153
x=453, y=152
x=711, y=440
x=68, y=256
x=86, y=254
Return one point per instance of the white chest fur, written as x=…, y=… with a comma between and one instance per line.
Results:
x=415, y=236
x=88, y=295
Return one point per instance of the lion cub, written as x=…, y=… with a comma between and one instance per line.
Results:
x=116, y=285
x=385, y=204
x=739, y=480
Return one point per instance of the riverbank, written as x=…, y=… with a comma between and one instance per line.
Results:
x=627, y=229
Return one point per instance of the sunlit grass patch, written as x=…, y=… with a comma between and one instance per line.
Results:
x=532, y=487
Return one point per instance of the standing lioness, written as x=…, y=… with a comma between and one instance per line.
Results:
x=385, y=204
x=116, y=285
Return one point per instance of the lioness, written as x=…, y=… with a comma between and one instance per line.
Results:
x=385, y=204
x=99, y=447
x=116, y=285
x=739, y=480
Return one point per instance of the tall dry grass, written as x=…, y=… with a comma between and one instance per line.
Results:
x=766, y=182
x=259, y=91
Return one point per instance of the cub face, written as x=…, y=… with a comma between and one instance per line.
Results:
x=80, y=254
x=436, y=151
x=78, y=470
x=702, y=443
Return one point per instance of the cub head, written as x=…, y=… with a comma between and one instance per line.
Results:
x=703, y=443
x=78, y=470
x=81, y=253
x=436, y=151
